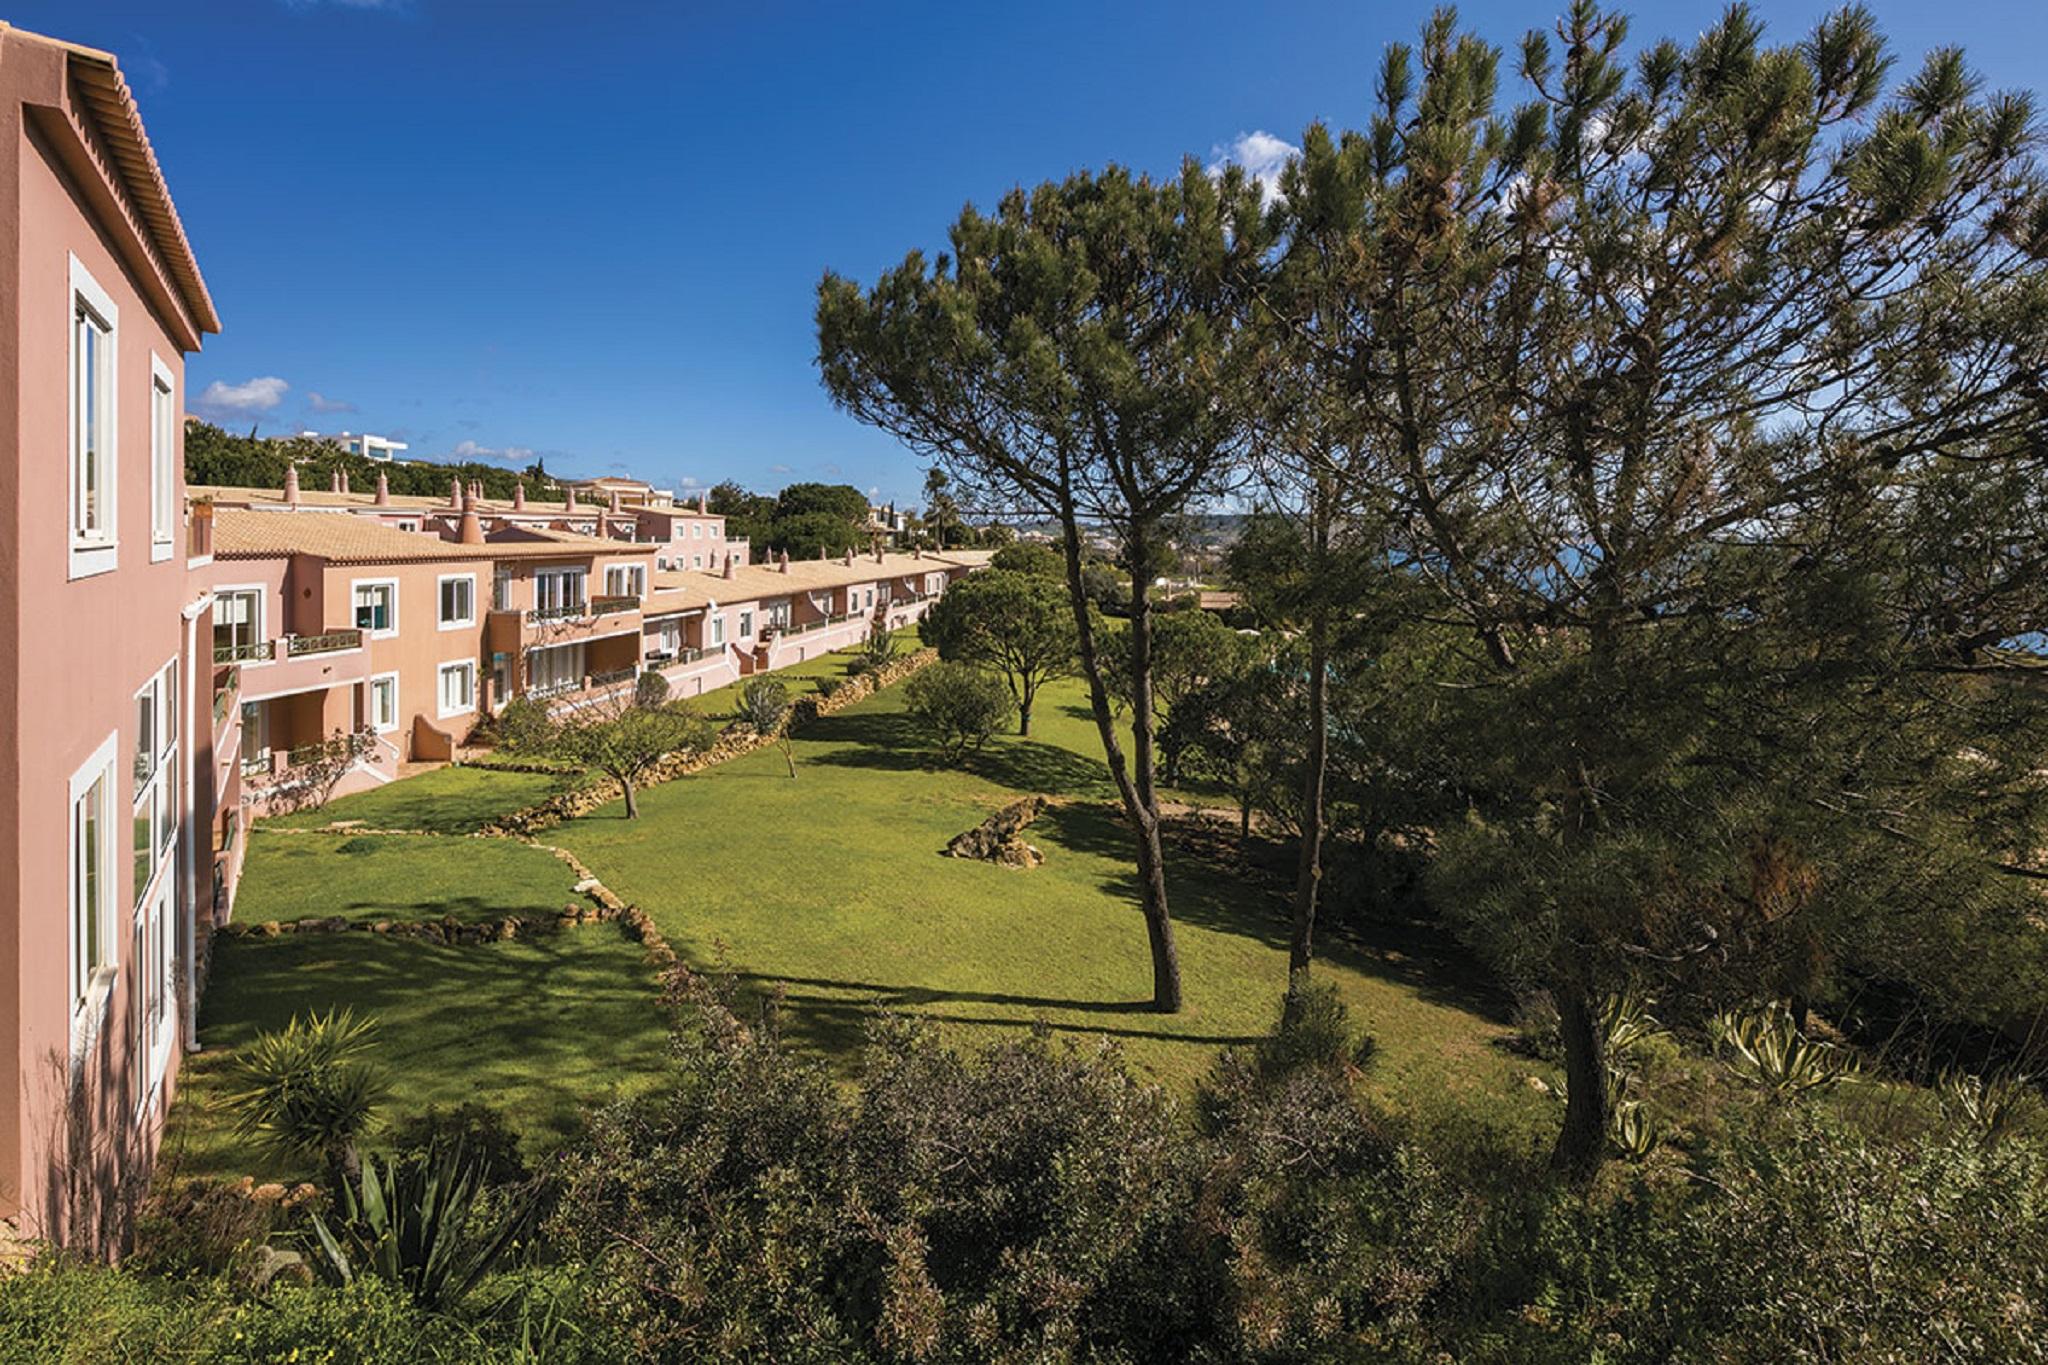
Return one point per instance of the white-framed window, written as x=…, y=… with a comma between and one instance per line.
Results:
x=779, y=614
x=559, y=590
x=154, y=763
x=237, y=623
x=558, y=668
x=95, y=418
x=408, y=526
x=92, y=892
x=716, y=527
x=626, y=580
x=163, y=458
x=501, y=588
x=696, y=561
x=384, y=703
x=870, y=597
x=718, y=629
x=375, y=603
x=746, y=624
x=458, y=687
x=153, y=960
x=458, y=600
x=696, y=530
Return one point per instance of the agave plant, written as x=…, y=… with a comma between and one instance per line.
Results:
x=412, y=1224
x=1633, y=1130
x=308, y=1091
x=1991, y=1108
x=1766, y=1048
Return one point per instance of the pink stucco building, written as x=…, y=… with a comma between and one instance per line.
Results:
x=105, y=870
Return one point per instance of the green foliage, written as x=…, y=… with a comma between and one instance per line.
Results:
x=422, y=1225
x=877, y=648
x=1315, y=1029
x=1766, y=1048
x=308, y=1091
x=214, y=456
x=1015, y=624
x=959, y=706
x=616, y=735
x=650, y=690
x=1032, y=558
x=764, y=704
x=479, y=1130
x=524, y=726
x=1992, y=1107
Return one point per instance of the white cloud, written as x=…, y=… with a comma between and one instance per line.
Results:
x=244, y=399
x=1262, y=155
x=320, y=402
x=515, y=455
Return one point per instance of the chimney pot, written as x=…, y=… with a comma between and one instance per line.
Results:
x=291, y=485
x=519, y=496
x=334, y=482
x=704, y=502
x=455, y=494
x=729, y=562
x=785, y=561
x=568, y=498
x=383, y=491
x=618, y=502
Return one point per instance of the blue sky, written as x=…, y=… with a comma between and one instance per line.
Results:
x=593, y=230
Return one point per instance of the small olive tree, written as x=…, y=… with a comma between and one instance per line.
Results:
x=764, y=704
x=616, y=735
x=960, y=705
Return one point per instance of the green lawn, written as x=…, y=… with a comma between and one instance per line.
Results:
x=801, y=679
x=832, y=885
x=452, y=800
x=538, y=1027
x=369, y=877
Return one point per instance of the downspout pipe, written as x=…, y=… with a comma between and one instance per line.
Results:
x=187, y=836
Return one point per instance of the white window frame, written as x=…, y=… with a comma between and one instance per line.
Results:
x=355, y=585
x=375, y=723
x=98, y=553
x=153, y=988
x=440, y=600
x=625, y=580
x=717, y=629
x=261, y=592
x=156, y=793
x=91, y=989
x=465, y=666
x=163, y=459
x=746, y=624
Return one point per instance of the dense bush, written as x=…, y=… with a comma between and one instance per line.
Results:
x=1036, y=1201
x=958, y=705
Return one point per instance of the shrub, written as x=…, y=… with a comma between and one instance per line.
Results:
x=1315, y=1030
x=650, y=690
x=479, y=1129
x=524, y=726
x=959, y=706
x=878, y=648
x=308, y=1091
x=421, y=1225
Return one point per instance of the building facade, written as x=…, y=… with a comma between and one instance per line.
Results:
x=103, y=856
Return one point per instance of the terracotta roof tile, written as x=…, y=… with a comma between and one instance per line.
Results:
x=240, y=533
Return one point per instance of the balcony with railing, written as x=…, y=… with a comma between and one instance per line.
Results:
x=297, y=663
x=514, y=630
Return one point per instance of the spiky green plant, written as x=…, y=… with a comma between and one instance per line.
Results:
x=308, y=1090
x=1766, y=1048
x=1991, y=1107
x=1633, y=1130
x=412, y=1224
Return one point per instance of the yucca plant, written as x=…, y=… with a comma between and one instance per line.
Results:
x=308, y=1091
x=1992, y=1108
x=1633, y=1130
x=1626, y=1023
x=412, y=1224
x=1766, y=1048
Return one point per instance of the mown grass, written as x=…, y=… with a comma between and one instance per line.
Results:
x=538, y=1027
x=367, y=877
x=452, y=800
x=831, y=890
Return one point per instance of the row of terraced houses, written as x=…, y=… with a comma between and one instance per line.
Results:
x=183, y=658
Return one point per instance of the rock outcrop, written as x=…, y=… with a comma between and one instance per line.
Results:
x=999, y=839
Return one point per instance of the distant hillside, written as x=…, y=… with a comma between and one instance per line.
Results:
x=214, y=456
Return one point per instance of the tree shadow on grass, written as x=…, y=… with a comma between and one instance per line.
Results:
x=537, y=1027
x=817, y=1017
x=1251, y=903
x=893, y=742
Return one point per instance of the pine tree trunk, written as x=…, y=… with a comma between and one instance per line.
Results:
x=1582, y=1143
x=1140, y=802
x=1309, y=877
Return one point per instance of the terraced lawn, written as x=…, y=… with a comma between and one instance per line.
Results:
x=831, y=888
x=368, y=877
x=446, y=800
x=537, y=1027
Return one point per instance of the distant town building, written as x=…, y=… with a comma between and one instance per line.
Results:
x=360, y=443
